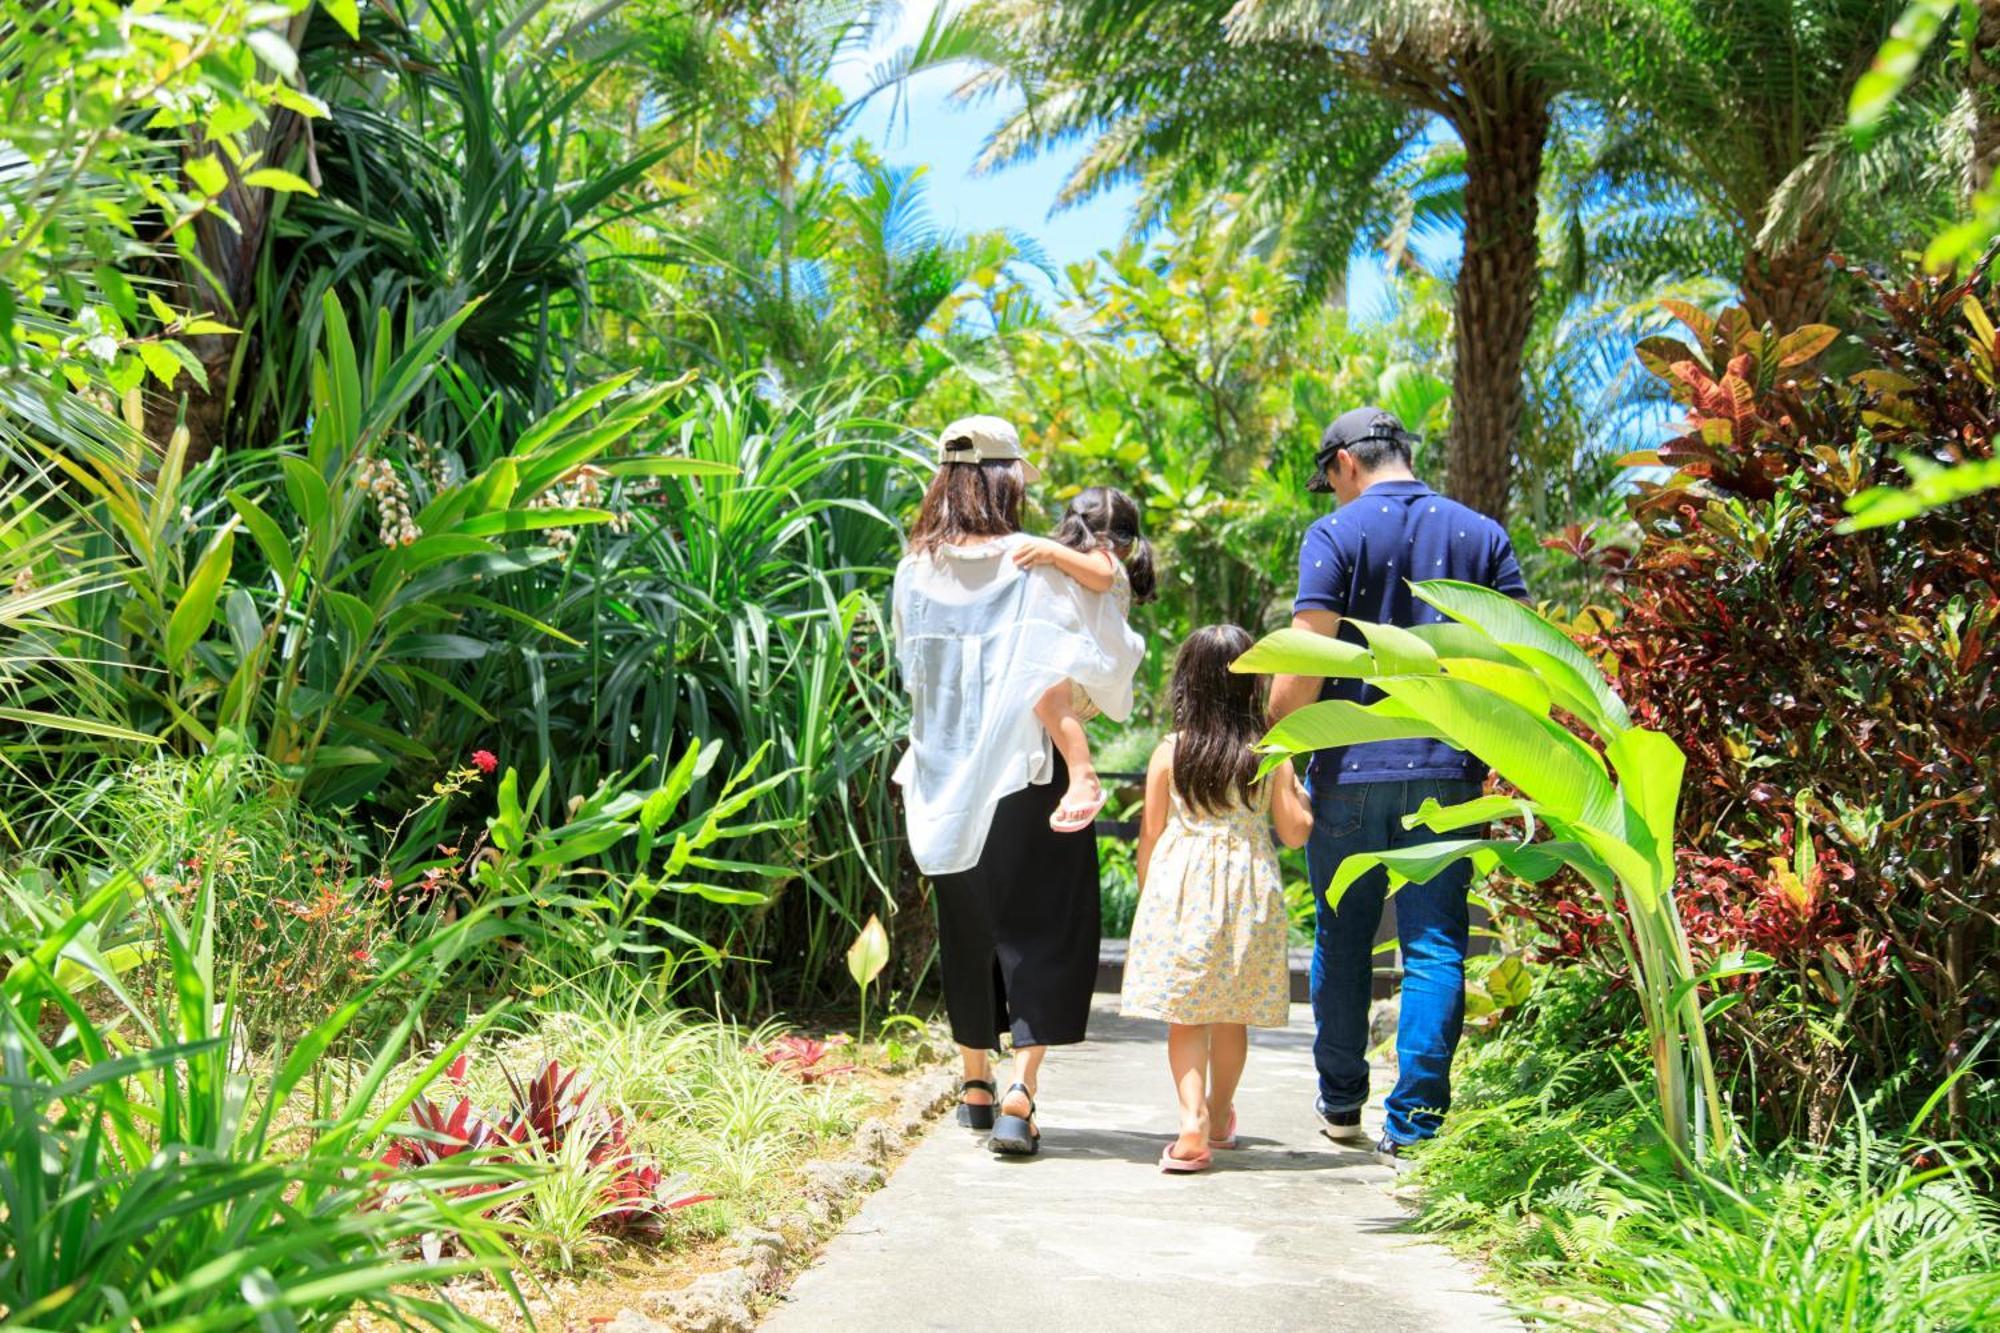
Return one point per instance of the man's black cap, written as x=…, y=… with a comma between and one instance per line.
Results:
x=1350, y=429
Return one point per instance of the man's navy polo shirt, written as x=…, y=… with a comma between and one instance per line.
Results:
x=1359, y=561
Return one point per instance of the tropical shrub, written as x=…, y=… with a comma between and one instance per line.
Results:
x=1551, y=1171
x=1502, y=683
x=554, y=1122
x=329, y=639
x=292, y=907
x=1836, y=694
x=586, y=916
x=740, y=605
x=157, y=1172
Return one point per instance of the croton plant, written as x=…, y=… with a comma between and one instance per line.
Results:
x=1835, y=692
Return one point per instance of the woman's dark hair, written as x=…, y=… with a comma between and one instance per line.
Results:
x=969, y=502
x=1218, y=717
x=1102, y=518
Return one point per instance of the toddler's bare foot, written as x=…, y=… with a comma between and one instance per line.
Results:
x=1080, y=803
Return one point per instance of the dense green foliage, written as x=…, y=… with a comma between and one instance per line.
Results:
x=1555, y=1173
x=451, y=462
x=1843, y=805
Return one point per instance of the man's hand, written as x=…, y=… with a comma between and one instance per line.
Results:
x=1291, y=693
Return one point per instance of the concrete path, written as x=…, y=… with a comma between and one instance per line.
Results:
x=1289, y=1233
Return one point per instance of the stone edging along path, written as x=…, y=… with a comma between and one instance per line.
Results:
x=762, y=1260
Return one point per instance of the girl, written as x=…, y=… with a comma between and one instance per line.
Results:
x=1208, y=942
x=1098, y=544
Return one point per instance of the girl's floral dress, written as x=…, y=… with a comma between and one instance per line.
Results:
x=1208, y=940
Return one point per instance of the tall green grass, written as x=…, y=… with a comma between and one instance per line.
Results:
x=744, y=607
x=1553, y=1168
x=156, y=1174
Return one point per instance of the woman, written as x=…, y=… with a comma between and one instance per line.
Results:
x=980, y=638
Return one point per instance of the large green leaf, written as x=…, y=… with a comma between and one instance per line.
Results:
x=669, y=467
x=337, y=412
x=1650, y=767
x=1565, y=668
x=1532, y=861
x=196, y=609
x=1516, y=684
x=553, y=422
x=1300, y=652
x=1465, y=814
x=1533, y=753
x=1448, y=638
x=1334, y=722
x=269, y=536
x=307, y=490
x=1397, y=652
x=524, y=520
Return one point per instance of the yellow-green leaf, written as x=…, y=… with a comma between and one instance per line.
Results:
x=347, y=13
x=869, y=953
x=208, y=174
x=275, y=178
x=163, y=363
x=1509, y=983
x=196, y=609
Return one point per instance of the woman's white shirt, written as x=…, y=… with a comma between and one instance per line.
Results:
x=979, y=639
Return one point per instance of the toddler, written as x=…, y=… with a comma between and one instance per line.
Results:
x=1097, y=543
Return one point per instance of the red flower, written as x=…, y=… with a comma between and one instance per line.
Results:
x=362, y=956
x=485, y=760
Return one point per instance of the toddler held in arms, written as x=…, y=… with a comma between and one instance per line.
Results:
x=1098, y=544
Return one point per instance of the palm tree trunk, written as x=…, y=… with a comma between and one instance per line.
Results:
x=222, y=283
x=1503, y=122
x=1985, y=81
x=1787, y=287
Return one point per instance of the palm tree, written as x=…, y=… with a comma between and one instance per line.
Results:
x=1310, y=108
x=1734, y=112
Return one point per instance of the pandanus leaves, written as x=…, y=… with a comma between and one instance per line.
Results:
x=1498, y=682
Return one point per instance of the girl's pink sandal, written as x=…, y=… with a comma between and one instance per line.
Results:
x=1183, y=1166
x=1228, y=1139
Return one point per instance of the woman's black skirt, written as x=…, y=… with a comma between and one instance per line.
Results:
x=1017, y=933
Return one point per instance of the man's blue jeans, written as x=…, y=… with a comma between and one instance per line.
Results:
x=1432, y=924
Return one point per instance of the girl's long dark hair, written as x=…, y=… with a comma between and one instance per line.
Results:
x=1102, y=518
x=969, y=502
x=1218, y=716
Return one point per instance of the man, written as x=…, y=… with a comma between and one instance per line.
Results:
x=1389, y=531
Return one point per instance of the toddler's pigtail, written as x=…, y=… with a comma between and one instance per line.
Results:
x=1139, y=569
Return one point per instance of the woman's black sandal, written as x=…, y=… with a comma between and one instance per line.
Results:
x=974, y=1116
x=1016, y=1135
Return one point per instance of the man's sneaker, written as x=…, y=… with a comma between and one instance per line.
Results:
x=1343, y=1126
x=1390, y=1153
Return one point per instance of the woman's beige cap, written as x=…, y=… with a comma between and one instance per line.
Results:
x=983, y=440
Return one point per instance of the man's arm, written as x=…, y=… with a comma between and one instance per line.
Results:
x=1291, y=693
x=1506, y=576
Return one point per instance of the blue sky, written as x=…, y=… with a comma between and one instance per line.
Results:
x=932, y=131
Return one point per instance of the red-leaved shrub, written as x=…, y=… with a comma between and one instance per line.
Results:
x=1836, y=688
x=549, y=1112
